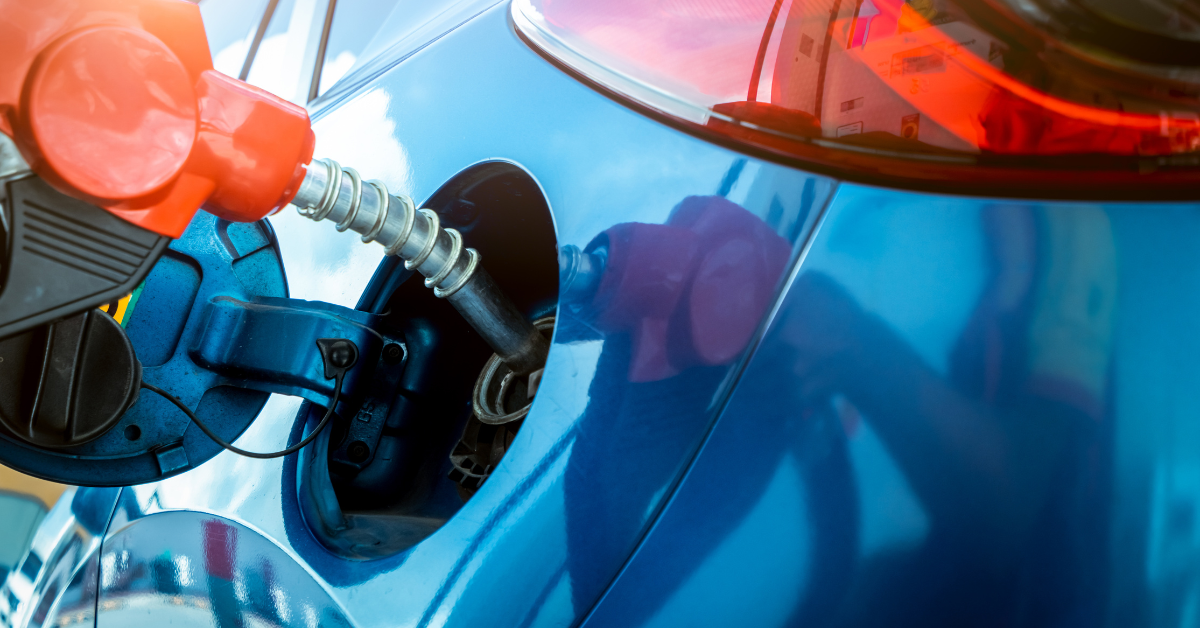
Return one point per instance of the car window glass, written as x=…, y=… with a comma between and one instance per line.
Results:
x=230, y=26
x=355, y=22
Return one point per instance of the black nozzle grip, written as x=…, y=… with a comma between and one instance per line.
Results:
x=66, y=256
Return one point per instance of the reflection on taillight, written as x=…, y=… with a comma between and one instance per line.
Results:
x=937, y=80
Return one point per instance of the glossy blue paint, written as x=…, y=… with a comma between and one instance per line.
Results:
x=475, y=568
x=966, y=412
x=270, y=344
x=958, y=411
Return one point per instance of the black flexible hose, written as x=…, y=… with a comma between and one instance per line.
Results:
x=337, y=391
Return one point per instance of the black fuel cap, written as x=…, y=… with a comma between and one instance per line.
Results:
x=68, y=382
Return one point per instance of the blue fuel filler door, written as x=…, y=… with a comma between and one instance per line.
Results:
x=211, y=326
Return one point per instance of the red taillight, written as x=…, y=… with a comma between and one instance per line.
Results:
x=959, y=91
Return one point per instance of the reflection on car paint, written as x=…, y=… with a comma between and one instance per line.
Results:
x=1002, y=451
x=283, y=62
x=201, y=570
x=55, y=584
x=400, y=29
x=230, y=26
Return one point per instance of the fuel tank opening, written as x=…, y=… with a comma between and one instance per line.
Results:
x=453, y=271
x=380, y=480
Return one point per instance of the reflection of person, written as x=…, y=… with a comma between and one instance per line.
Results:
x=676, y=305
x=1008, y=454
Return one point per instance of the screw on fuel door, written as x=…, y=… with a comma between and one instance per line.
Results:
x=355, y=441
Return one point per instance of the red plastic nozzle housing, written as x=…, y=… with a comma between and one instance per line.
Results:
x=115, y=102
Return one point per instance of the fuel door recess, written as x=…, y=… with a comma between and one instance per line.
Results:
x=417, y=450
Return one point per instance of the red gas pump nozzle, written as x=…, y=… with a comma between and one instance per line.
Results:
x=115, y=106
x=115, y=102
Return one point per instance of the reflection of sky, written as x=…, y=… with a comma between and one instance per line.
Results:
x=361, y=30
x=371, y=30
x=230, y=26
x=321, y=263
x=599, y=195
x=234, y=482
x=275, y=69
x=354, y=24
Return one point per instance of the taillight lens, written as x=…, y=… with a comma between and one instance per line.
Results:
x=1035, y=95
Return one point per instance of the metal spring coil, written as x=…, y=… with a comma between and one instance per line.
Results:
x=331, y=195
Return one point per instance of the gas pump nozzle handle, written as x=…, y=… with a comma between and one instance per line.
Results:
x=116, y=107
x=116, y=103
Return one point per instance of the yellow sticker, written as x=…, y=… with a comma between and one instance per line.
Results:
x=122, y=309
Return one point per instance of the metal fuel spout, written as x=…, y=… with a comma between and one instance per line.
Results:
x=454, y=272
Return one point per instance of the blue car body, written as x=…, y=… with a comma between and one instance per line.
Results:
x=952, y=410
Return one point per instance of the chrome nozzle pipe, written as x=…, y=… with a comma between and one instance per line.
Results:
x=330, y=192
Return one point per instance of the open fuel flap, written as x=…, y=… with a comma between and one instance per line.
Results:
x=72, y=406
x=208, y=323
